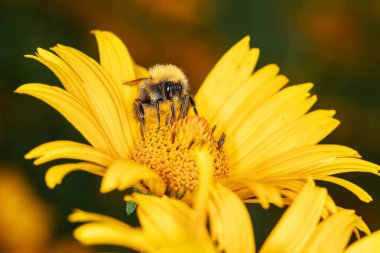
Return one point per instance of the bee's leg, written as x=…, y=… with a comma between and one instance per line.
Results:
x=158, y=112
x=140, y=111
x=192, y=102
x=173, y=111
x=183, y=109
x=221, y=140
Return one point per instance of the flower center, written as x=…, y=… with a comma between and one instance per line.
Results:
x=169, y=151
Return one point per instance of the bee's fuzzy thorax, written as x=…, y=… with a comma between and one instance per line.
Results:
x=168, y=72
x=166, y=82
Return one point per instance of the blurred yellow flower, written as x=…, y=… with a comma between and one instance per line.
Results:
x=21, y=212
x=271, y=140
x=169, y=225
x=26, y=222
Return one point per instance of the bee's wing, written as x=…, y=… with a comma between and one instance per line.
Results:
x=136, y=81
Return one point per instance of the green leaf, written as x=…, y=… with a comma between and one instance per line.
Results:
x=130, y=207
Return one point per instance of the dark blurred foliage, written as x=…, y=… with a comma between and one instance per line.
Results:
x=334, y=44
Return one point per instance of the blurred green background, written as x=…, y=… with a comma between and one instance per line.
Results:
x=334, y=44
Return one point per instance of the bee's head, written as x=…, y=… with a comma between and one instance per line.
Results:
x=167, y=82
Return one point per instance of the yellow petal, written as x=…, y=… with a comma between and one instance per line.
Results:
x=206, y=168
x=106, y=99
x=141, y=72
x=117, y=61
x=264, y=192
x=368, y=244
x=304, y=160
x=297, y=224
x=359, y=192
x=68, y=150
x=56, y=173
x=166, y=216
x=163, y=218
x=170, y=224
x=333, y=234
x=274, y=115
x=114, y=57
x=81, y=216
x=106, y=230
x=362, y=226
x=155, y=186
x=65, y=73
x=232, y=69
x=348, y=164
x=230, y=223
x=66, y=104
x=238, y=87
x=248, y=98
x=124, y=173
x=305, y=131
x=320, y=161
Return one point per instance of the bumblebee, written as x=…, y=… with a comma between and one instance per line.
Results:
x=167, y=82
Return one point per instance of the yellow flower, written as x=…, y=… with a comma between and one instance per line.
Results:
x=168, y=225
x=271, y=140
x=300, y=229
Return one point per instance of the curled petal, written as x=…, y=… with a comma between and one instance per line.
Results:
x=106, y=230
x=56, y=173
x=68, y=150
x=124, y=173
x=359, y=192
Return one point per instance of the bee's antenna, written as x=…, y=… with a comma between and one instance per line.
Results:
x=136, y=81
